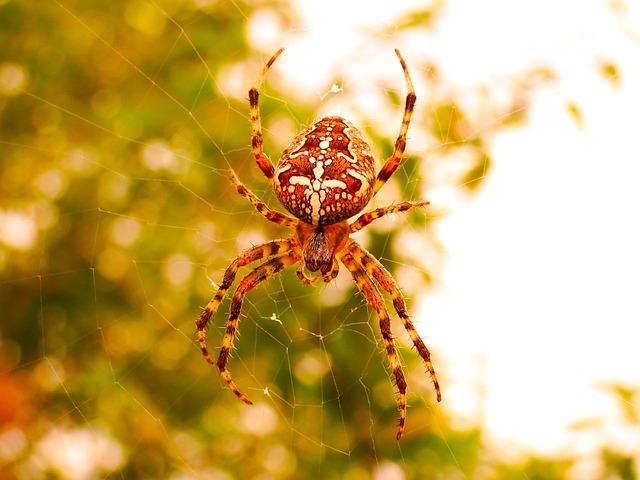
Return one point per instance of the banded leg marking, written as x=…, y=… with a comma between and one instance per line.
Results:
x=374, y=268
x=251, y=255
x=374, y=298
x=368, y=217
x=393, y=162
x=264, y=163
x=263, y=272
x=262, y=208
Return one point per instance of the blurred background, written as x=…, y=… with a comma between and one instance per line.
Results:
x=119, y=125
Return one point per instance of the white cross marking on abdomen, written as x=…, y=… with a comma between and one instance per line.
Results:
x=316, y=191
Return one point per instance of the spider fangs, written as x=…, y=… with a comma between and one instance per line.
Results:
x=325, y=177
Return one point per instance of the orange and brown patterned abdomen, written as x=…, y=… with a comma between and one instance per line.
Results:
x=327, y=173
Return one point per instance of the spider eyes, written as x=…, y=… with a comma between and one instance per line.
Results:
x=317, y=253
x=319, y=245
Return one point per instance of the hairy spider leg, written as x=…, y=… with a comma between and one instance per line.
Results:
x=374, y=298
x=256, y=129
x=393, y=162
x=261, y=273
x=279, y=218
x=250, y=255
x=373, y=266
x=368, y=217
x=281, y=254
x=262, y=208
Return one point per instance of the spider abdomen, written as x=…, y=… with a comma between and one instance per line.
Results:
x=327, y=173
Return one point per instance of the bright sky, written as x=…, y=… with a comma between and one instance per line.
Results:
x=538, y=303
x=542, y=271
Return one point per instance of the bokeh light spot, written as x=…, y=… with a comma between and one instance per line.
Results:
x=13, y=78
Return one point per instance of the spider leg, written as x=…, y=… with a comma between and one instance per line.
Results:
x=393, y=162
x=251, y=255
x=368, y=217
x=374, y=298
x=261, y=273
x=271, y=215
x=374, y=268
x=256, y=129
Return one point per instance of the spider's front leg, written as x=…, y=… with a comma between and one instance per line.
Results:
x=373, y=266
x=251, y=255
x=261, y=273
x=374, y=298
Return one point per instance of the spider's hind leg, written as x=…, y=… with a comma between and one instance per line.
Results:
x=256, y=129
x=393, y=162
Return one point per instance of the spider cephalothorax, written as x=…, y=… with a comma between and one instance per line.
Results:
x=325, y=177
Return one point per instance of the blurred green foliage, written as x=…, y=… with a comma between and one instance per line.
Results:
x=116, y=142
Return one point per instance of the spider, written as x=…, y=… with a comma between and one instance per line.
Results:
x=324, y=178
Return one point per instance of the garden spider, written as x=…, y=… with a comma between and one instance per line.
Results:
x=325, y=177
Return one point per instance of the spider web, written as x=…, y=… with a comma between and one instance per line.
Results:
x=133, y=221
